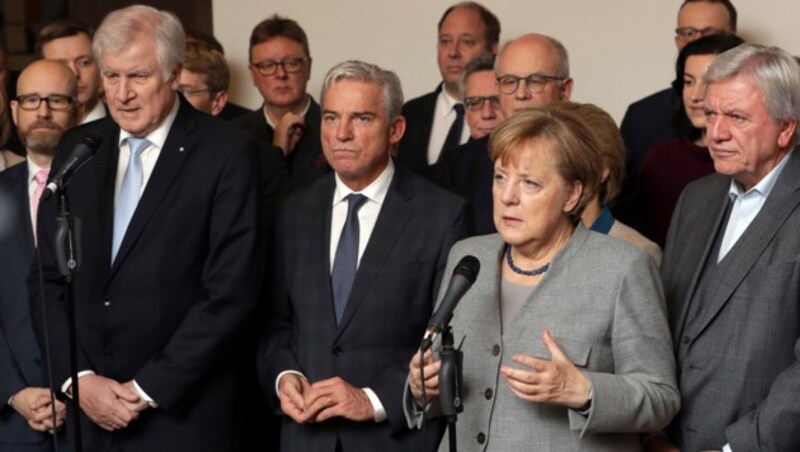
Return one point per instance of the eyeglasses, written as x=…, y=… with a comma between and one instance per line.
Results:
x=269, y=67
x=534, y=83
x=55, y=102
x=689, y=33
x=189, y=92
x=476, y=103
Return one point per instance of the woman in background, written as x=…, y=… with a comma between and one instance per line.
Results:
x=670, y=166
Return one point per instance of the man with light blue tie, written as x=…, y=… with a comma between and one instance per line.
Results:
x=171, y=254
x=730, y=267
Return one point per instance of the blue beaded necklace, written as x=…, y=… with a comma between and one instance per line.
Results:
x=534, y=272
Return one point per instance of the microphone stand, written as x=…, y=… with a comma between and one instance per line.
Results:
x=450, y=382
x=68, y=254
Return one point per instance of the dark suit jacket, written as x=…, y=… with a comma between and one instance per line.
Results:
x=468, y=171
x=647, y=122
x=389, y=306
x=168, y=311
x=306, y=163
x=413, y=150
x=739, y=357
x=20, y=361
x=232, y=111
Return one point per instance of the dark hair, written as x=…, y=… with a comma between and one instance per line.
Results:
x=195, y=35
x=63, y=28
x=728, y=6
x=275, y=26
x=488, y=18
x=708, y=45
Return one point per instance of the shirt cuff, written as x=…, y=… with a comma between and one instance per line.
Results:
x=280, y=375
x=67, y=384
x=144, y=395
x=727, y=448
x=377, y=406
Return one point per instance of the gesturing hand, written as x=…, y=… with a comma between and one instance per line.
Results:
x=431, y=376
x=335, y=397
x=288, y=132
x=102, y=399
x=557, y=381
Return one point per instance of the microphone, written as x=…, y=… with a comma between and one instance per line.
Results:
x=463, y=277
x=83, y=152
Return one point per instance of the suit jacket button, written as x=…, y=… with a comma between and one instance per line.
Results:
x=495, y=349
x=337, y=351
x=481, y=438
x=488, y=393
x=686, y=340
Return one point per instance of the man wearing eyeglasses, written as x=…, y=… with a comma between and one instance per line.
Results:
x=648, y=121
x=481, y=97
x=280, y=66
x=531, y=71
x=45, y=108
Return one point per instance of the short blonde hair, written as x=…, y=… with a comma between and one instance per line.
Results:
x=609, y=142
x=574, y=147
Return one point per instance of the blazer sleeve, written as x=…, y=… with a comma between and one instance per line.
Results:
x=773, y=424
x=230, y=279
x=642, y=394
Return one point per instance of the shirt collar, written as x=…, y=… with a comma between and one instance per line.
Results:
x=158, y=136
x=765, y=185
x=32, y=170
x=446, y=103
x=303, y=113
x=376, y=191
x=604, y=222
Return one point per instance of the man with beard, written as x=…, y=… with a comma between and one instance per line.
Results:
x=45, y=107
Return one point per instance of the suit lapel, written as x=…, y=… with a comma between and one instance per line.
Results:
x=395, y=213
x=705, y=228
x=24, y=233
x=178, y=145
x=782, y=201
x=321, y=268
x=106, y=161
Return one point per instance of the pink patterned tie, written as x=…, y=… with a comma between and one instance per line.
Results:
x=41, y=181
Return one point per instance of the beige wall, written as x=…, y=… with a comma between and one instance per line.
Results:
x=620, y=50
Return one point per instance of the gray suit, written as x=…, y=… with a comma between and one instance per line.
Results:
x=738, y=357
x=602, y=302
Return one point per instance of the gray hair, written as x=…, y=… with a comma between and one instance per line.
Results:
x=119, y=28
x=775, y=73
x=482, y=62
x=368, y=73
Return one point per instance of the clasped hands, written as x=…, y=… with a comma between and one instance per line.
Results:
x=306, y=403
x=556, y=381
x=35, y=405
x=108, y=403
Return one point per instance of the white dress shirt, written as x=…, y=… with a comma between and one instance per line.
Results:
x=747, y=205
x=367, y=217
x=443, y=118
x=98, y=112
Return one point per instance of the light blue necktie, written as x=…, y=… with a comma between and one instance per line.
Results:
x=129, y=192
x=345, y=262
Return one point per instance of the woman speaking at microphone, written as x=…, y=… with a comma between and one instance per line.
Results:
x=565, y=337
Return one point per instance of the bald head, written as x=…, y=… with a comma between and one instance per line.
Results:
x=542, y=59
x=40, y=123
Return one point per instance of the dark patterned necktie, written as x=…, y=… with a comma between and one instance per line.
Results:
x=345, y=263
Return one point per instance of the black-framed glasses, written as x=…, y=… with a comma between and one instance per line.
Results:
x=476, y=103
x=290, y=65
x=534, y=83
x=689, y=33
x=55, y=102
